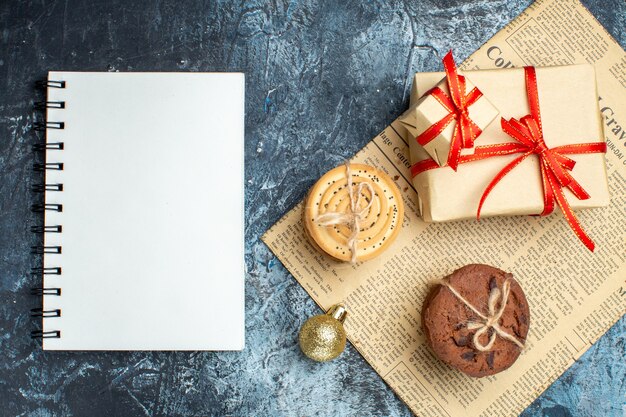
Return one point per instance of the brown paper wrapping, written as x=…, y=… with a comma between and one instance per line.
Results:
x=427, y=110
x=569, y=110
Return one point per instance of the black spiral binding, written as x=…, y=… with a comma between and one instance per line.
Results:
x=40, y=147
x=39, y=334
x=43, y=207
x=40, y=208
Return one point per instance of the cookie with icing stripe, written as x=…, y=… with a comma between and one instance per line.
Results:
x=378, y=222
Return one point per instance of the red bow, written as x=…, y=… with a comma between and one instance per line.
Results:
x=457, y=106
x=554, y=165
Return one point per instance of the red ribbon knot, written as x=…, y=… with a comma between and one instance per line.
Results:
x=457, y=105
x=554, y=165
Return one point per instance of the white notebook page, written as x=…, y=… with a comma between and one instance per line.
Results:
x=152, y=240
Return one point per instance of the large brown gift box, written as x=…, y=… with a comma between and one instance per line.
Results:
x=569, y=111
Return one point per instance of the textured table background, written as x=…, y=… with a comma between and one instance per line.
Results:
x=322, y=79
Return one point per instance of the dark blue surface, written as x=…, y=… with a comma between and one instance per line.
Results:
x=322, y=79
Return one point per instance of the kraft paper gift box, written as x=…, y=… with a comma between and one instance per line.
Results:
x=428, y=110
x=569, y=112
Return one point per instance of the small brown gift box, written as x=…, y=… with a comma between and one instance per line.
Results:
x=569, y=110
x=427, y=110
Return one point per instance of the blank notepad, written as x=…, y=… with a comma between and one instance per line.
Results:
x=151, y=240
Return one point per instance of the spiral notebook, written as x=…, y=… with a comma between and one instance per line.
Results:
x=143, y=226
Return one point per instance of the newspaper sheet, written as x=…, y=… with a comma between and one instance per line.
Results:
x=574, y=295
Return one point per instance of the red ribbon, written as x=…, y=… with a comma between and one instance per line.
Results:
x=457, y=104
x=554, y=165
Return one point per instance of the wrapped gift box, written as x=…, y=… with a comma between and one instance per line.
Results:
x=570, y=115
x=428, y=110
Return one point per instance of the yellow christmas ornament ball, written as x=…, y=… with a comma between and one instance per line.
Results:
x=323, y=338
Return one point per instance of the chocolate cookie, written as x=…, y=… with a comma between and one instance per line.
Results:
x=450, y=325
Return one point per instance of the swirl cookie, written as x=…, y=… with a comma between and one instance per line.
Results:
x=332, y=209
